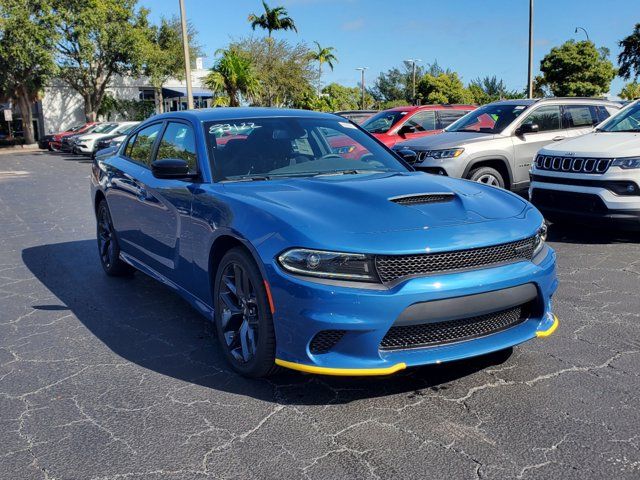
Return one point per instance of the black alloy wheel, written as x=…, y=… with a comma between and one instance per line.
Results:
x=243, y=319
x=108, y=247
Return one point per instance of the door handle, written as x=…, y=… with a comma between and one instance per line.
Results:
x=558, y=138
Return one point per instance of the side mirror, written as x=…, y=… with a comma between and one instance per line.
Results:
x=527, y=128
x=406, y=129
x=170, y=168
x=408, y=155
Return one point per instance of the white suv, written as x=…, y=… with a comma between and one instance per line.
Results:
x=595, y=177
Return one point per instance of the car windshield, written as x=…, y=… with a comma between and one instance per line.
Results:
x=628, y=120
x=105, y=128
x=488, y=119
x=268, y=148
x=383, y=121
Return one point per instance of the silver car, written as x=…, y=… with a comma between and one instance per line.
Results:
x=497, y=143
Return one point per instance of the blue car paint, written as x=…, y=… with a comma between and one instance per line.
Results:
x=169, y=229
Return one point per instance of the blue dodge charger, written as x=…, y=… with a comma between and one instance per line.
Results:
x=311, y=246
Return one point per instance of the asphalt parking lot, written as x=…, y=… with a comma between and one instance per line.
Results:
x=104, y=378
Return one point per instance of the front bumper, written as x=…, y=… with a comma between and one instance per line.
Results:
x=592, y=204
x=304, y=308
x=451, y=167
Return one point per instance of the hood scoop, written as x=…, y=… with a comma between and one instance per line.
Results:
x=423, y=198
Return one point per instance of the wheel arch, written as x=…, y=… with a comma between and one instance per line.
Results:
x=498, y=163
x=98, y=197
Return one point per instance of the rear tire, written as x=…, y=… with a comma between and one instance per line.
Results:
x=108, y=246
x=243, y=317
x=488, y=176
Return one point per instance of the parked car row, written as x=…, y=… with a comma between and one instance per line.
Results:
x=88, y=138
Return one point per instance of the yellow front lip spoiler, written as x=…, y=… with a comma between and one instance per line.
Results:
x=343, y=372
x=550, y=330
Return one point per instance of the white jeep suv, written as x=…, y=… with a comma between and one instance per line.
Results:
x=595, y=177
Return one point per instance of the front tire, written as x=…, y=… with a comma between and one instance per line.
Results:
x=108, y=247
x=242, y=316
x=488, y=176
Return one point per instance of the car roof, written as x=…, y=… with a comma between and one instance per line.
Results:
x=437, y=106
x=531, y=101
x=238, y=113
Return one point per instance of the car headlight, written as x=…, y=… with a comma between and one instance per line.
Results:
x=626, y=163
x=540, y=239
x=447, y=153
x=336, y=265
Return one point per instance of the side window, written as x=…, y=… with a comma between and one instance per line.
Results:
x=580, y=116
x=603, y=113
x=178, y=141
x=423, y=121
x=447, y=117
x=140, y=146
x=547, y=117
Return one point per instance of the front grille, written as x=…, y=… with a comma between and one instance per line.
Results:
x=325, y=340
x=567, y=201
x=393, y=267
x=573, y=165
x=423, y=198
x=430, y=334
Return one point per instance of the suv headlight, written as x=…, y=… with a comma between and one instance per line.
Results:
x=626, y=163
x=540, y=239
x=446, y=153
x=336, y=265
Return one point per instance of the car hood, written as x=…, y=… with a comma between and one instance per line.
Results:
x=445, y=140
x=360, y=204
x=598, y=144
x=92, y=136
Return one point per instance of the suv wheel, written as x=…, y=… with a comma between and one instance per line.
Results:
x=487, y=175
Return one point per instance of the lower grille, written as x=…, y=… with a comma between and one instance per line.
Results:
x=393, y=267
x=325, y=341
x=430, y=334
x=567, y=201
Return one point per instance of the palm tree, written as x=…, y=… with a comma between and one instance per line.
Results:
x=233, y=75
x=272, y=19
x=323, y=55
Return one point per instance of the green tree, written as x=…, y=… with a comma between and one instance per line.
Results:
x=629, y=57
x=630, y=91
x=272, y=19
x=443, y=88
x=577, y=69
x=285, y=72
x=234, y=77
x=323, y=55
x=26, y=55
x=163, y=57
x=98, y=39
x=335, y=97
x=490, y=89
x=396, y=85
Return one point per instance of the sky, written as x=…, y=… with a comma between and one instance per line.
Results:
x=473, y=37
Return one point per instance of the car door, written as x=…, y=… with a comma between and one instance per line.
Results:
x=164, y=205
x=579, y=119
x=418, y=125
x=546, y=121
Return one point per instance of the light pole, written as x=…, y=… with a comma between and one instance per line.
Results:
x=413, y=62
x=530, y=73
x=362, y=69
x=187, y=59
x=585, y=32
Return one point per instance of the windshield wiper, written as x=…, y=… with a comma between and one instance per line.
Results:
x=348, y=172
x=247, y=178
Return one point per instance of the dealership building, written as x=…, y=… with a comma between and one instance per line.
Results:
x=62, y=107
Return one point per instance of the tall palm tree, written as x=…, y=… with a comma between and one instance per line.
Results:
x=233, y=75
x=323, y=55
x=272, y=19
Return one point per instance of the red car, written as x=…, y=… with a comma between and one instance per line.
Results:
x=55, y=143
x=404, y=123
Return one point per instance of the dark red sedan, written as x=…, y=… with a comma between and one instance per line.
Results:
x=405, y=123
